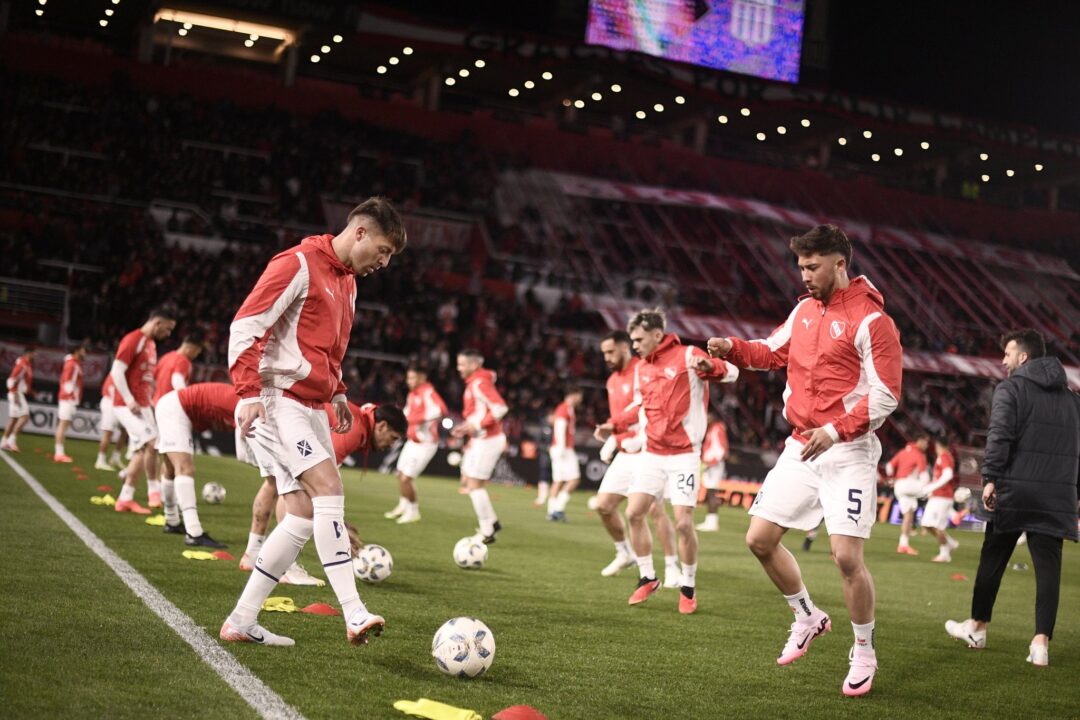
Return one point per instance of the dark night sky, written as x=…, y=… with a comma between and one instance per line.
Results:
x=1015, y=61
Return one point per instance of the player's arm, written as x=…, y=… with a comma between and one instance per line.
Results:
x=945, y=479
x=881, y=357
x=125, y=356
x=558, y=437
x=708, y=368
x=487, y=399
x=770, y=353
x=434, y=407
x=16, y=375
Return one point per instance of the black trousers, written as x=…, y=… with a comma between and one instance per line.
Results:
x=997, y=550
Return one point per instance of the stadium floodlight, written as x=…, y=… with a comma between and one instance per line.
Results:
x=249, y=43
x=109, y=12
x=804, y=122
x=924, y=145
x=781, y=130
x=567, y=102
x=1038, y=167
x=338, y=38
x=745, y=112
x=115, y=2
x=546, y=75
x=253, y=37
x=315, y=58
x=381, y=69
x=898, y=151
x=722, y=119
x=479, y=63
x=43, y=2
x=1010, y=173
x=393, y=60
x=463, y=72
x=192, y=19
x=658, y=107
x=841, y=141
x=103, y=23
x=406, y=50
x=39, y=12
x=875, y=157
x=326, y=49
x=640, y=114
x=597, y=97
x=680, y=100
x=514, y=92
x=529, y=84
x=579, y=104
x=761, y=136
x=450, y=81
x=984, y=157
x=867, y=134
x=986, y=178
x=181, y=32
x=447, y=423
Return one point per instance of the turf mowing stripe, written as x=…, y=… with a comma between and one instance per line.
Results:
x=251, y=689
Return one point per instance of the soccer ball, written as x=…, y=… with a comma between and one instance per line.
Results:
x=373, y=563
x=213, y=493
x=962, y=495
x=453, y=458
x=463, y=647
x=470, y=553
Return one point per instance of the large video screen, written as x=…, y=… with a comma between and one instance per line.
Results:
x=753, y=37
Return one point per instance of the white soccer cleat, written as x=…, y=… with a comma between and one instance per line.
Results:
x=863, y=667
x=709, y=524
x=100, y=465
x=361, y=625
x=408, y=516
x=672, y=578
x=941, y=558
x=620, y=563
x=255, y=634
x=952, y=543
x=1038, y=655
x=966, y=631
x=394, y=514
x=297, y=575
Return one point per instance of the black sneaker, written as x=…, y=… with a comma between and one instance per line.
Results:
x=806, y=543
x=490, y=539
x=204, y=540
x=177, y=529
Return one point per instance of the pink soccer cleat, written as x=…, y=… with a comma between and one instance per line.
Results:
x=131, y=506
x=802, y=634
x=861, y=673
x=645, y=588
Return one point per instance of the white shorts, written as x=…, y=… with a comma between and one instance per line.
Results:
x=109, y=423
x=294, y=439
x=619, y=475
x=564, y=465
x=141, y=430
x=938, y=510
x=907, y=494
x=174, y=426
x=839, y=485
x=65, y=409
x=414, y=458
x=481, y=455
x=17, y=405
x=713, y=475
x=672, y=477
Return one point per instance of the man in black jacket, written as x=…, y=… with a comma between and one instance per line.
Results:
x=1030, y=475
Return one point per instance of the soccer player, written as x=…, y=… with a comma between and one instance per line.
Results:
x=424, y=408
x=174, y=368
x=624, y=396
x=286, y=345
x=180, y=414
x=110, y=426
x=844, y=364
x=565, y=469
x=940, y=504
x=132, y=376
x=714, y=457
x=674, y=402
x=908, y=468
x=71, y=389
x=484, y=409
x=19, y=386
x=374, y=426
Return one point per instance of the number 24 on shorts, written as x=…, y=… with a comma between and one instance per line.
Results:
x=684, y=482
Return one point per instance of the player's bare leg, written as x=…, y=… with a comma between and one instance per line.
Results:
x=126, y=501
x=153, y=473
x=58, y=440
x=665, y=533
x=638, y=507
x=859, y=596
x=407, y=509
x=173, y=523
x=187, y=499
x=607, y=506
x=485, y=511
x=688, y=554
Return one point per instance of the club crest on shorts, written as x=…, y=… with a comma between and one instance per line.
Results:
x=304, y=448
x=836, y=329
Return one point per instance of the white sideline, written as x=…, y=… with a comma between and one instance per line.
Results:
x=251, y=689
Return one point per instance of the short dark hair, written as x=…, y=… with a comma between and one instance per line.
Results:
x=822, y=240
x=473, y=353
x=165, y=312
x=195, y=337
x=619, y=336
x=573, y=390
x=386, y=217
x=1028, y=340
x=415, y=368
x=922, y=435
x=392, y=416
x=649, y=319
x=941, y=440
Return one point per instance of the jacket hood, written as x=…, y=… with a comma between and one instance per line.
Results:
x=481, y=373
x=860, y=287
x=322, y=244
x=1046, y=372
x=667, y=342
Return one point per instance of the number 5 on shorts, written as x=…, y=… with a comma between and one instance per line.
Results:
x=855, y=508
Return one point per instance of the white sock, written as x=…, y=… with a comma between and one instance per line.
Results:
x=126, y=493
x=864, y=636
x=413, y=507
x=153, y=486
x=562, y=501
x=332, y=544
x=485, y=511
x=115, y=460
x=542, y=491
x=255, y=543
x=689, y=571
x=801, y=604
x=58, y=449
x=402, y=503
x=279, y=551
x=623, y=548
x=552, y=503
x=101, y=458
x=671, y=564
x=904, y=540
x=645, y=567
x=712, y=518
x=186, y=499
x=168, y=499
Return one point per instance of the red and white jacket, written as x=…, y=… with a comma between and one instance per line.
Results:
x=945, y=479
x=423, y=409
x=360, y=435
x=173, y=372
x=909, y=463
x=716, y=444
x=132, y=370
x=675, y=397
x=624, y=396
x=484, y=407
x=292, y=330
x=563, y=425
x=843, y=360
x=22, y=377
x=209, y=406
x=71, y=380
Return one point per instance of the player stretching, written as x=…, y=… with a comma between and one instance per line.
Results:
x=714, y=458
x=483, y=409
x=19, y=386
x=286, y=345
x=425, y=407
x=908, y=467
x=374, y=426
x=843, y=360
x=674, y=402
x=173, y=373
x=133, y=378
x=624, y=395
x=110, y=427
x=71, y=389
x=940, y=504
x=565, y=469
